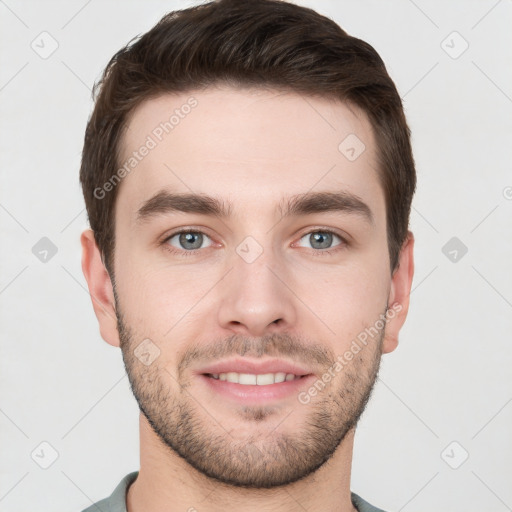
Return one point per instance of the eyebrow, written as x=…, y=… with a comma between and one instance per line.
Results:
x=302, y=204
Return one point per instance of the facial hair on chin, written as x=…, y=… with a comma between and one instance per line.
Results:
x=259, y=461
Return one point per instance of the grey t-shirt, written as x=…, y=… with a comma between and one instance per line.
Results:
x=116, y=502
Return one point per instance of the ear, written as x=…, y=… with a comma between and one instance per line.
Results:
x=100, y=288
x=398, y=300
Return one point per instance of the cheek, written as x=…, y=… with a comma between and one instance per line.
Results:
x=155, y=298
x=347, y=300
x=161, y=299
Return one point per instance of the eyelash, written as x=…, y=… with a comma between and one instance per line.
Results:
x=193, y=252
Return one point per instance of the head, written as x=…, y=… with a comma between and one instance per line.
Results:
x=248, y=177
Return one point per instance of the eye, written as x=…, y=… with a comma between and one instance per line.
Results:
x=187, y=240
x=321, y=240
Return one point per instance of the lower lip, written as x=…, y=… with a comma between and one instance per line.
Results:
x=254, y=394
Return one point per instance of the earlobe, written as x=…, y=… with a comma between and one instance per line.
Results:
x=398, y=300
x=100, y=288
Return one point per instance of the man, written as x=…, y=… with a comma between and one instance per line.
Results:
x=248, y=177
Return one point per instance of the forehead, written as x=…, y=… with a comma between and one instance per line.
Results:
x=251, y=146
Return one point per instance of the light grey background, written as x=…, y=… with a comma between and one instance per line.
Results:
x=450, y=378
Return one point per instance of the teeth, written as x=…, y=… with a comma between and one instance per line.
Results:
x=252, y=379
x=244, y=378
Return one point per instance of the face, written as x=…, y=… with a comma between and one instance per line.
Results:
x=251, y=258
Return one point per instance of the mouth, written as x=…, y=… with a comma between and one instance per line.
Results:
x=247, y=371
x=255, y=389
x=252, y=379
x=254, y=382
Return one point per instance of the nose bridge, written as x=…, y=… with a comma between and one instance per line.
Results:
x=254, y=297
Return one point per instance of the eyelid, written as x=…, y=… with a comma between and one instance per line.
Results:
x=186, y=229
x=326, y=229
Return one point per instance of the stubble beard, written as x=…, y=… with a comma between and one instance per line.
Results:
x=266, y=460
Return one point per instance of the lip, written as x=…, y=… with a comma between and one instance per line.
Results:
x=254, y=394
x=255, y=367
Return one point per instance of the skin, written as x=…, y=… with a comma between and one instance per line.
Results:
x=251, y=147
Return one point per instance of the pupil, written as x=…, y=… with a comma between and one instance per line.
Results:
x=324, y=239
x=186, y=238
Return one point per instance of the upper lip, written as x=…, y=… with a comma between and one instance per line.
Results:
x=255, y=367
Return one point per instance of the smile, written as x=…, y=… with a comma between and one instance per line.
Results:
x=251, y=379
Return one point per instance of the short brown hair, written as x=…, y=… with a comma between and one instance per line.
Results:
x=257, y=43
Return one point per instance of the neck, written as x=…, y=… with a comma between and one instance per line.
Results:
x=167, y=482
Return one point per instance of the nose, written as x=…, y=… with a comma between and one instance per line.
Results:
x=255, y=297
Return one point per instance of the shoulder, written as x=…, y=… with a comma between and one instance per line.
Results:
x=362, y=505
x=116, y=502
